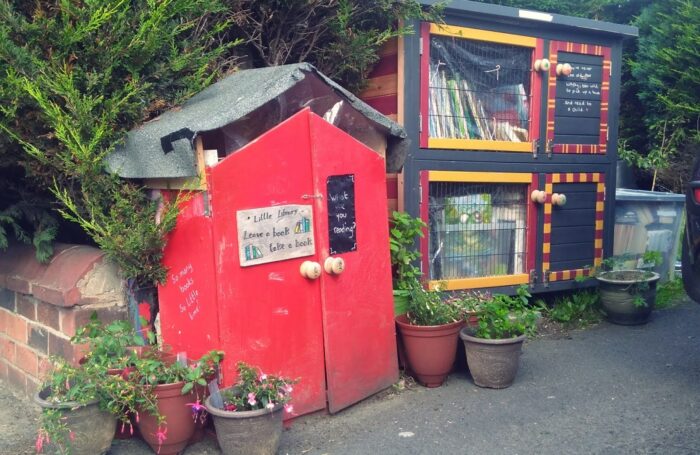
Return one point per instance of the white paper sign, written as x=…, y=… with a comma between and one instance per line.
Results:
x=271, y=234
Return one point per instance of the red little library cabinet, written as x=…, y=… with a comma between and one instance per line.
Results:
x=281, y=257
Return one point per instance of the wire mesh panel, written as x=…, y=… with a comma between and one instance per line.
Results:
x=478, y=90
x=476, y=230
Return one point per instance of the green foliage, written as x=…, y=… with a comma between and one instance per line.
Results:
x=404, y=231
x=76, y=77
x=580, y=309
x=340, y=37
x=504, y=316
x=431, y=308
x=669, y=293
x=110, y=346
x=257, y=390
x=666, y=70
x=40, y=231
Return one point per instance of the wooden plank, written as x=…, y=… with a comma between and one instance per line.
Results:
x=571, y=265
x=380, y=86
x=384, y=104
x=582, y=126
x=401, y=81
x=579, y=90
x=390, y=47
x=576, y=108
x=479, y=177
x=572, y=252
x=576, y=139
x=572, y=218
x=565, y=235
x=574, y=57
x=477, y=144
x=483, y=35
x=482, y=282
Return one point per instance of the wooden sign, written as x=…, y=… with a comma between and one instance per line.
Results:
x=276, y=233
x=342, y=233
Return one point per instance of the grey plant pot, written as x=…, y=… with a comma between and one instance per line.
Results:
x=247, y=432
x=492, y=363
x=93, y=428
x=618, y=290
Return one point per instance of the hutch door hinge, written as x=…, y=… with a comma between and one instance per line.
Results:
x=535, y=148
x=207, y=203
x=545, y=278
x=548, y=148
x=420, y=46
x=420, y=193
x=533, y=277
x=420, y=122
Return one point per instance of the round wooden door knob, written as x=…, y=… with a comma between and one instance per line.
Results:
x=558, y=199
x=538, y=196
x=310, y=270
x=542, y=64
x=564, y=69
x=334, y=266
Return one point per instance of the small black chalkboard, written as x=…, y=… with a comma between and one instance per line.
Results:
x=342, y=227
x=578, y=100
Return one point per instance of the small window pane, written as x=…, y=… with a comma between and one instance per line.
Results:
x=478, y=90
x=476, y=230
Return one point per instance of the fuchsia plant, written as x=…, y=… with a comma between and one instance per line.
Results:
x=257, y=390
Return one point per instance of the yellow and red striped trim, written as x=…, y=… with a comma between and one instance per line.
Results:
x=569, y=177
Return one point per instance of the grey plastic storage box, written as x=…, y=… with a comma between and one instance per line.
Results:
x=648, y=221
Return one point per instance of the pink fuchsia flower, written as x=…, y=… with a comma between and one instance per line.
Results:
x=288, y=388
x=251, y=399
x=289, y=408
x=162, y=435
x=270, y=405
x=197, y=410
x=262, y=377
x=39, y=444
x=230, y=407
x=71, y=435
x=137, y=417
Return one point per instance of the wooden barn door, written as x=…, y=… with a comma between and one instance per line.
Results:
x=351, y=223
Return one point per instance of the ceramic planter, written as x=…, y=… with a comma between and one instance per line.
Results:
x=247, y=432
x=179, y=424
x=93, y=428
x=430, y=350
x=492, y=363
x=618, y=291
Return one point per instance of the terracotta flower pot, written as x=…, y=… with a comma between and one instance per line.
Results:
x=492, y=363
x=430, y=349
x=179, y=425
x=247, y=432
x=93, y=429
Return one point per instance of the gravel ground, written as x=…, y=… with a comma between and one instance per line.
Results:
x=606, y=390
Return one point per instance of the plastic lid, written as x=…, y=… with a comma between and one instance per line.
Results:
x=625, y=194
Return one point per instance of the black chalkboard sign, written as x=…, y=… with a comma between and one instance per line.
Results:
x=342, y=227
x=578, y=97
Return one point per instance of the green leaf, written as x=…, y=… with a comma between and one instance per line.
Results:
x=187, y=388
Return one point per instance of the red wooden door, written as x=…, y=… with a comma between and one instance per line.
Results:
x=270, y=316
x=358, y=317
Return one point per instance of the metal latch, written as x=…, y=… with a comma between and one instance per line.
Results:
x=533, y=277
x=545, y=278
x=548, y=148
x=535, y=148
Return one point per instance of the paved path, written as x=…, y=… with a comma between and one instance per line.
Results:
x=606, y=390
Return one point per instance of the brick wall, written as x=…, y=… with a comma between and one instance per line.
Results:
x=41, y=305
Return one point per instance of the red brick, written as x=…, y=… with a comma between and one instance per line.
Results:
x=26, y=306
x=16, y=327
x=7, y=349
x=47, y=314
x=27, y=360
x=3, y=370
x=4, y=320
x=74, y=318
x=62, y=347
x=38, y=338
x=17, y=378
x=7, y=299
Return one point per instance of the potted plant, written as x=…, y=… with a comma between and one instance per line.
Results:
x=429, y=333
x=402, y=235
x=248, y=416
x=165, y=395
x=627, y=295
x=493, y=349
x=77, y=415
